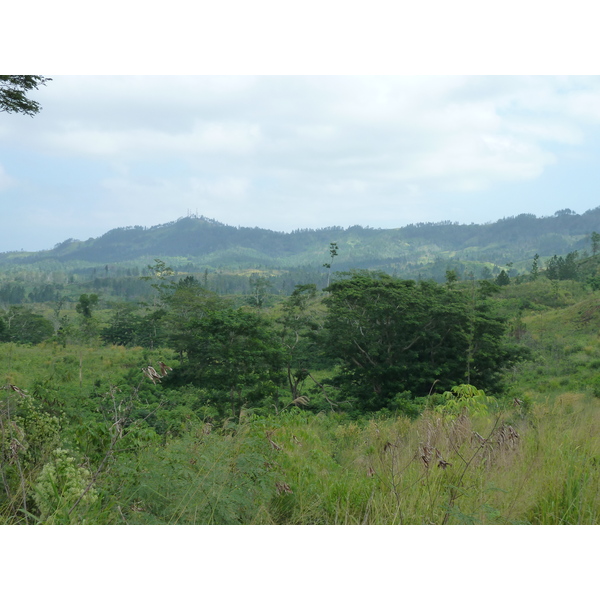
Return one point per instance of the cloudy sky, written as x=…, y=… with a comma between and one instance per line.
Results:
x=288, y=152
x=286, y=145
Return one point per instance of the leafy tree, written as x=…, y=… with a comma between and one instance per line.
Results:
x=299, y=325
x=559, y=268
x=150, y=332
x=488, y=289
x=502, y=278
x=86, y=304
x=391, y=336
x=553, y=269
x=24, y=326
x=161, y=275
x=233, y=352
x=13, y=93
x=187, y=302
x=88, y=324
x=451, y=278
x=122, y=329
x=259, y=287
x=535, y=270
x=569, y=269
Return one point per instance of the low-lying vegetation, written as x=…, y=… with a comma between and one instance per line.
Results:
x=376, y=402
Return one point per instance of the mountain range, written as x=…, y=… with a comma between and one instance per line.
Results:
x=425, y=248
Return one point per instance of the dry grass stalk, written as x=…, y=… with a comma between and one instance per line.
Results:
x=507, y=437
x=460, y=430
x=274, y=444
x=19, y=391
x=153, y=375
x=283, y=488
x=426, y=454
x=14, y=388
x=441, y=462
x=478, y=438
x=300, y=401
x=388, y=446
x=15, y=446
x=163, y=368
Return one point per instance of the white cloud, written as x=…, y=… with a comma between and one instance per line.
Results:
x=286, y=152
x=6, y=180
x=136, y=144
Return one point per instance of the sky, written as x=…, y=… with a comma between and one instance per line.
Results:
x=309, y=148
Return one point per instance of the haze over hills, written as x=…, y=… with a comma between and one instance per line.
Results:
x=200, y=242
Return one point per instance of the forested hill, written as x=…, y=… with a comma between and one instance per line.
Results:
x=210, y=244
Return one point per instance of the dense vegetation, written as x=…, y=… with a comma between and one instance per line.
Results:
x=376, y=400
x=217, y=251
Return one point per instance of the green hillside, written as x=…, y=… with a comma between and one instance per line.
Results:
x=422, y=249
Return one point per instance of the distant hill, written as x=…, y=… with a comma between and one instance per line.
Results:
x=423, y=248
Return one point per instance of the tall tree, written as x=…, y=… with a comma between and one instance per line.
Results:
x=235, y=354
x=88, y=323
x=259, y=287
x=14, y=90
x=333, y=252
x=535, y=269
x=553, y=268
x=187, y=303
x=392, y=336
x=299, y=323
x=503, y=278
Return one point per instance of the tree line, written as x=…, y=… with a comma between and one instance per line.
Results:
x=384, y=343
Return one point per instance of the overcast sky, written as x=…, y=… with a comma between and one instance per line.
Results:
x=296, y=151
x=288, y=152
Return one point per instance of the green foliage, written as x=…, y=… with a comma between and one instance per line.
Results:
x=13, y=93
x=203, y=478
x=60, y=485
x=259, y=287
x=226, y=255
x=300, y=323
x=451, y=278
x=535, y=268
x=559, y=268
x=127, y=326
x=595, y=239
x=159, y=455
x=503, y=278
x=23, y=326
x=464, y=399
x=321, y=408
x=188, y=303
x=86, y=304
x=393, y=336
x=233, y=352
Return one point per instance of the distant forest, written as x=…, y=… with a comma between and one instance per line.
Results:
x=205, y=243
